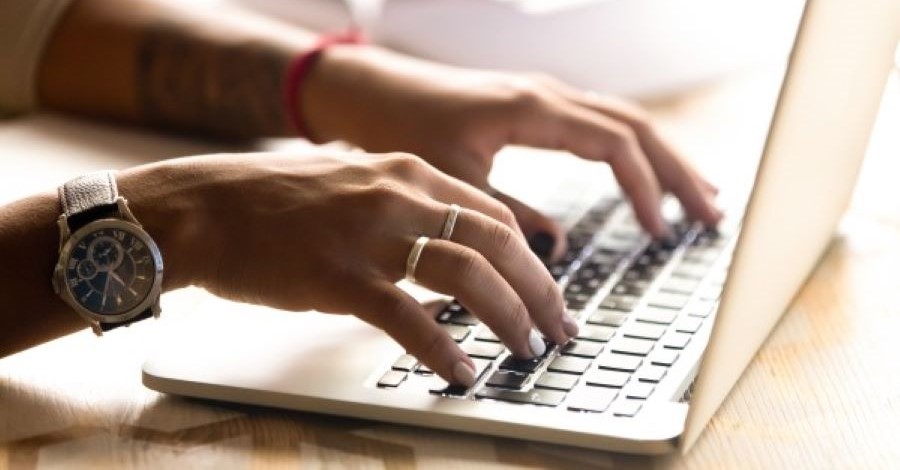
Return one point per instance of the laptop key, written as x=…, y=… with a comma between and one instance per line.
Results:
x=483, y=349
x=485, y=334
x=688, y=325
x=392, y=378
x=600, y=334
x=541, y=397
x=701, y=309
x=651, y=373
x=595, y=399
x=627, y=408
x=457, y=332
x=606, y=378
x=570, y=365
x=405, y=363
x=461, y=317
x=621, y=362
x=607, y=318
x=680, y=285
x=636, y=347
x=669, y=301
x=624, y=303
x=521, y=365
x=664, y=357
x=586, y=349
x=639, y=390
x=441, y=387
x=577, y=301
x=654, y=315
x=644, y=331
x=511, y=380
x=676, y=340
x=555, y=381
x=691, y=271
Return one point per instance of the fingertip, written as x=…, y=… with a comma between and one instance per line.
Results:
x=536, y=343
x=569, y=326
x=464, y=372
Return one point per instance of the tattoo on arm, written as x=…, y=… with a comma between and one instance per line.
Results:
x=188, y=82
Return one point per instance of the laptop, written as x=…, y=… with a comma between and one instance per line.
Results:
x=666, y=328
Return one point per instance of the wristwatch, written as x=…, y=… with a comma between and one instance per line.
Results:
x=109, y=269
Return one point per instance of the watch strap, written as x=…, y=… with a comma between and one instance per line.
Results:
x=104, y=326
x=89, y=197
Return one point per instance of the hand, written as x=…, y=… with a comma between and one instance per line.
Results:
x=333, y=232
x=458, y=118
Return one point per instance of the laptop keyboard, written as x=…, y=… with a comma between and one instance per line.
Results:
x=638, y=304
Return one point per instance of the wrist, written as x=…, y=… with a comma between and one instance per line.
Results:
x=158, y=197
x=334, y=93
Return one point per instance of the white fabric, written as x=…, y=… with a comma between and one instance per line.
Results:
x=25, y=27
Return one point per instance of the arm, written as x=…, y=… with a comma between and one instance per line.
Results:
x=221, y=73
x=172, y=66
x=324, y=231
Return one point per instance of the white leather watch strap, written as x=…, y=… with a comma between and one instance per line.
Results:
x=88, y=192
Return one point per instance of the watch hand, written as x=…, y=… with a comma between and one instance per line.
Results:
x=116, y=277
x=105, y=289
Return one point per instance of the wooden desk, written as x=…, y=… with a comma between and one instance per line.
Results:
x=824, y=391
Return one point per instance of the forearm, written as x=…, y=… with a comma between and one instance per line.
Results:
x=166, y=65
x=31, y=313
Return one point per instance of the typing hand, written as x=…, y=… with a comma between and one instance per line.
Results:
x=458, y=118
x=333, y=232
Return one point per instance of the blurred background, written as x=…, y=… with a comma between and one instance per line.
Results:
x=639, y=48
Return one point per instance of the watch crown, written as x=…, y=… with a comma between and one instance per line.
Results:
x=55, y=285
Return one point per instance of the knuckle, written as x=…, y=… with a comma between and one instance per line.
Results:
x=519, y=317
x=640, y=121
x=523, y=95
x=621, y=142
x=505, y=215
x=384, y=197
x=470, y=264
x=405, y=165
x=502, y=238
x=552, y=297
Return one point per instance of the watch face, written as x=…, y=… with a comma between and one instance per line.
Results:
x=110, y=270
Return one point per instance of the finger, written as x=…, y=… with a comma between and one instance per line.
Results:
x=554, y=122
x=521, y=269
x=597, y=137
x=387, y=307
x=674, y=172
x=464, y=273
x=450, y=190
x=534, y=224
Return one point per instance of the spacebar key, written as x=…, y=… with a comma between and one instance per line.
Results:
x=535, y=397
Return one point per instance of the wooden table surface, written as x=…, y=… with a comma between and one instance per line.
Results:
x=823, y=392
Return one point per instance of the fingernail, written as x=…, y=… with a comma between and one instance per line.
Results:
x=569, y=325
x=536, y=343
x=541, y=244
x=464, y=374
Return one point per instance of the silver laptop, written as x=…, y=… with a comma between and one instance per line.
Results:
x=666, y=328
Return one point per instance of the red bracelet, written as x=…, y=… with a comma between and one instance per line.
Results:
x=299, y=69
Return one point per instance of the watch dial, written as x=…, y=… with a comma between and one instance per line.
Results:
x=110, y=271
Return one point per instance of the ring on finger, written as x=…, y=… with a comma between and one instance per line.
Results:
x=413, y=259
x=450, y=221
